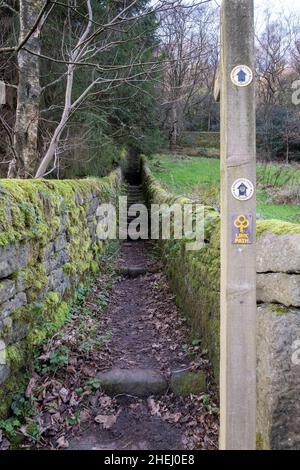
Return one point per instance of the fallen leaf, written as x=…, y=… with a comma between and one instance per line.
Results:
x=62, y=443
x=153, y=407
x=105, y=401
x=30, y=387
x=5, y=444
x=45, y=357
x=107, y=421
x=84, y=415
x=172, y=417
x=64, y=393
x=73, y=399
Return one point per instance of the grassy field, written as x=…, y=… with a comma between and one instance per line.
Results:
x=200, y=177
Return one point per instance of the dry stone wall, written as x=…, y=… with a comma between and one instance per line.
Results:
x=195, y=279
x=48, y=248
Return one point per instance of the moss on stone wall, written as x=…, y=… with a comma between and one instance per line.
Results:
x=33, y=209
x=278, y=227
x=52, y=220
x=194, y=275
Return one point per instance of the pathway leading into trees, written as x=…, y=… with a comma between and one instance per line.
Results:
x=124, y=373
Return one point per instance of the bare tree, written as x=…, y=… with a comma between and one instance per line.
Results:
x=86, y=44
x=187, y=43
x=273, y=66
x=96, y=41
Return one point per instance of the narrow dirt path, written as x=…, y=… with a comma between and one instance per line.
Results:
x=148, y=332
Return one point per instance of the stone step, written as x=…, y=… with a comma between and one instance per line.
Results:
x=137, y=382
x=131, y=187
x=134, y=200
x=135, y=194
x=133, y=271
x=146, y=382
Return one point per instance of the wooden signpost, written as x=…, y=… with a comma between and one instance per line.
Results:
x=238, y=227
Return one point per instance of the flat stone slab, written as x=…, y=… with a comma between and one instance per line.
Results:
x=278, y=253
x=279, y=288
x=137, y=382
x=133, y=271
x=184, y=383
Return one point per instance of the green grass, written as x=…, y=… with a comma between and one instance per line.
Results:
x=182, y=174
x=200, y=177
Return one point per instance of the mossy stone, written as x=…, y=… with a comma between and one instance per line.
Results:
x=277, y=227
x=259, y=441
x=188, y=383
x=279, y=309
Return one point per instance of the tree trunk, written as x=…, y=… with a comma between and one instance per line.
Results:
x=68, y=105
x=27, y=113
x=174, y=129
x=50, y=154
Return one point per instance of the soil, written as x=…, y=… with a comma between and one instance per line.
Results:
x=149, y=332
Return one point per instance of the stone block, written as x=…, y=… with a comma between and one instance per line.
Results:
x=55, y=278
x=79, y=198
x=137, y=382
x=13, y=304
x=21, y=282
x=63, y=223
x=14, y=331
x=60, y=242
x=7, y=289
x=4, y=369
x=12, y=258
x=5, y=326
x=278, y=377
x=185, y=383
x=94, y=203
x=48, y=251
x=60, y=258
x=279, y=288
x=278, y=253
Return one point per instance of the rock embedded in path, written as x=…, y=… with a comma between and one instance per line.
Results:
x=137, y=382
x=184, y=383
x=133, y=271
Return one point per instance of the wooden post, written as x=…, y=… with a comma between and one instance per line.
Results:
x=238, y=228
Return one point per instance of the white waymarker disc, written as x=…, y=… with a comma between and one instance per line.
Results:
x=242, y=189
x=241, y=75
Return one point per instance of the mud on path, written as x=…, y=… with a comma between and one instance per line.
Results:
x=128, y=322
